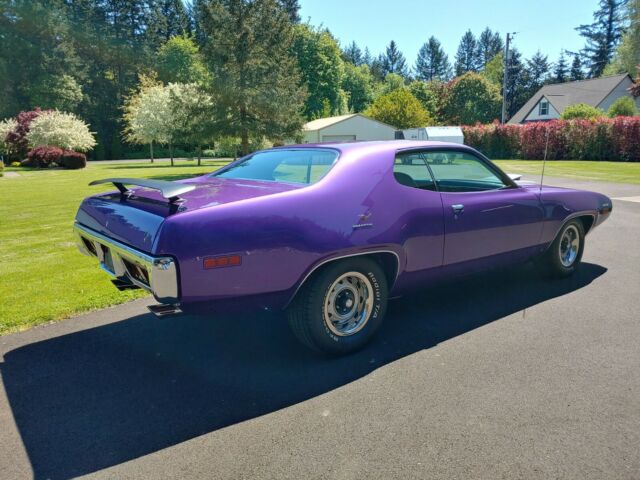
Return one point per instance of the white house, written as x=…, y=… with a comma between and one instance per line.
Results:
x=346, y=128
x=551, y=100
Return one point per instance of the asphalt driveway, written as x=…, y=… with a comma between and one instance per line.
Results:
x=500, y=375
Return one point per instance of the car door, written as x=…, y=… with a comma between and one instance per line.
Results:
x=485, y=213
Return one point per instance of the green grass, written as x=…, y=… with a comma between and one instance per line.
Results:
x=43, y=277
x=617, y=172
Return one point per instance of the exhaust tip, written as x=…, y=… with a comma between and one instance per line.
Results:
x=162, y=310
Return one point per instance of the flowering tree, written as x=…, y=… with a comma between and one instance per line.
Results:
x=6, y=127
x=60, y=129
x=149, y=116
x=17, y=138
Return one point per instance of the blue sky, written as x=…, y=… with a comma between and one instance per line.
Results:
x=547, y=25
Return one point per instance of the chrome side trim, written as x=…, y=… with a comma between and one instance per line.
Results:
x=341, y=257
x=162, y=271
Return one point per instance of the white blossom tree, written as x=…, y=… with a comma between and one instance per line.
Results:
x=6, y=126
x=60, y=129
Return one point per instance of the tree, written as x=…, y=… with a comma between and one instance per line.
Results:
x=179, y=60
x=488, y=46
x=320, y=63
x=358, y=85
x=16, y=139
x=466, y=60
x=60, y=129
x=191, y=111
x=168, y=19
x=627, y=55
x=432, y=62
x=400, y=109
x=366, y=57
x=353, y=54
x=393, y=60
x=560, y=71
x=292, y=8
x=494, y=70
x=60, y=92
x=517, y=83
x=537, y=71
x=470, y=99
x=430, y=95
x=581, y=110
x=148, y=115
x=576, y=72
x=256, y=83
x=603, y=35
x=623, y=107
x=392, y=82
x=7, y=126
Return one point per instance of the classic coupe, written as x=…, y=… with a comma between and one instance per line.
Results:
x=329, y=232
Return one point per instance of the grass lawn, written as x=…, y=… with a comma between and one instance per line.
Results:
x=617, y=172
x=43, y=277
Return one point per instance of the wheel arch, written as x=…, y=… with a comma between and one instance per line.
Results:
x=387, y=259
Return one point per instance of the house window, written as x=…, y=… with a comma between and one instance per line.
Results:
x=544, y=108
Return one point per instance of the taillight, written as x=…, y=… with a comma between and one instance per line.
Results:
x=223, y=261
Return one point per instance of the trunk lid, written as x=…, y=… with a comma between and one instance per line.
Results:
x=136, y=220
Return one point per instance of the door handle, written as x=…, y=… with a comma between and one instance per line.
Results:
x=457, y=208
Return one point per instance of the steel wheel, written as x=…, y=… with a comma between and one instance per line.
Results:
x=569, y=246
x=348, y=304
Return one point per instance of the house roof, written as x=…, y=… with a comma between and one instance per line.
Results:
x=561, y=95
x=321, y=123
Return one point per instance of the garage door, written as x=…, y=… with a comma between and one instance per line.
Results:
x=338, y=138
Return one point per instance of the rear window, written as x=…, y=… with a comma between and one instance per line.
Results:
x=291, y=166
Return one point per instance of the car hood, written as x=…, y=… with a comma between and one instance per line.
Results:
x=136, y=219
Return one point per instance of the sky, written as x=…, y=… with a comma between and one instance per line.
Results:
x=545, y=25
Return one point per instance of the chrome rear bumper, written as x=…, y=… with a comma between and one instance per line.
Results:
x=158, y=275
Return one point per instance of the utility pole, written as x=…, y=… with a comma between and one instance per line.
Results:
x=505, y=77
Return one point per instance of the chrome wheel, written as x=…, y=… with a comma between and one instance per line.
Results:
x=348, y=304
x=569, y=246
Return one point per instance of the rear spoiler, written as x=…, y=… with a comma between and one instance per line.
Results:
x=169, y=190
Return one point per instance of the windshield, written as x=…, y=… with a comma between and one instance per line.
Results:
x=292, y=166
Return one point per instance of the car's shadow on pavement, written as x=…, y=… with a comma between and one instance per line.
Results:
x=96, y=398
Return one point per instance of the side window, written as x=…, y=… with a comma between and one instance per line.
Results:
x=461, y=172
x=410, y=170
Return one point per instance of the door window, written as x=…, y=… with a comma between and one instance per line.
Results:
x=410, y=169
x=456, y=171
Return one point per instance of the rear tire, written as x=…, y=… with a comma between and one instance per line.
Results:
x=565, y=253
x=340, y=307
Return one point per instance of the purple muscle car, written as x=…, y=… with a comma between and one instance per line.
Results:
x=329, y=232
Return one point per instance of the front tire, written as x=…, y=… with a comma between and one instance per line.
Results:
x=340, y=307
x=565, y=253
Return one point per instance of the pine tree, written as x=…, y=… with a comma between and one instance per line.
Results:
x=293, y=9
x=432, y=62
x=169, y=18
x=256, y=82
x=537, y=71
x=353, y=54
x=576, y=69
x=560, y=72
x=393, y=60
x=366, y=57
x=517, y=83
x=466, y=60
x=489, y=45
x=603, y=35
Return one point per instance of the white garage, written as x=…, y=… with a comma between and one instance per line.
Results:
x=346, y=128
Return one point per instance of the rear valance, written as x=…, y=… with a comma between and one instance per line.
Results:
x=169, y=190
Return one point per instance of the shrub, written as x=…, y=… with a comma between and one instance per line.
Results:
x=534, y=141
x=15, y=164
x=623, y=107
x=59, y=129
x=72, y=160
x=43, y=157
x=494, y=140
x=581, y=110
x=17, y=138
x=625, y=132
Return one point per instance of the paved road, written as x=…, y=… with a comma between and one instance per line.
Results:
x=503, y=375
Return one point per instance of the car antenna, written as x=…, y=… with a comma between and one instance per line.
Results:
x=544, y=160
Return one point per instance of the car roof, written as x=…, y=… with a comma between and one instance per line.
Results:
x=382, y=145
